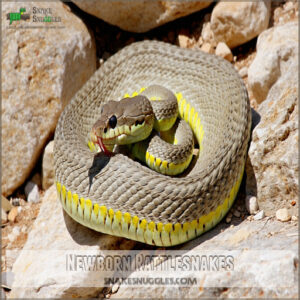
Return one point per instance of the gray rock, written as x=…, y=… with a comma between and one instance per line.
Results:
x=264, y=265
x=32, y=192
x=277, y=53
x=140, y=16
x=41, y=70
x=272, y=168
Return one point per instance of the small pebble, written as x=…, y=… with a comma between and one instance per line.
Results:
x=251, y=204
x=183, y=41
x=3, y=216
x=260, y=215
x=19, y=209
x=32, y=192
x=236, y=213
x=224, y=51
x=243, y=72
x=294, y=218
x=15, y=201
x=13, y=214
x=293, y=203
x=7, y=278
x=5, y=204
x=283, y=215
x=16, y=230
x=207, y=47
x=231, y=226
x=228, y=220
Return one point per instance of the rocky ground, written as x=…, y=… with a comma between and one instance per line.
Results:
x=263, y=47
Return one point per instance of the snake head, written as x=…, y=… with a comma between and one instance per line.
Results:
x=123, y=122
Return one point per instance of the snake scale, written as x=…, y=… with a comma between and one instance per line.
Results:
x=120, y=196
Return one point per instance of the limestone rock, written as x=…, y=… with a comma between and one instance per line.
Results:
x=243, y=72
x=41, y=70
x=13, y=214
x=283, y=215
x=5, y=204
x=3, y=216
x=251, y=204
x=48, y=166
x=236, y=23
x=183, y=41
x=256, y=267
x=260, y=215
x=140, y=16
x=32, y=192
x=277, y=52
x=272, y=167
x=223, y=51
x=53, y=236
x=207, y=47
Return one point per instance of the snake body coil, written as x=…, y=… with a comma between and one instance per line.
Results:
x=118, y=195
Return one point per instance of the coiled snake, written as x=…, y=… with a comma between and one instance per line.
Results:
x=120, y=196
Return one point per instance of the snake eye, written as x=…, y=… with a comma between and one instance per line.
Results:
x=112, y=121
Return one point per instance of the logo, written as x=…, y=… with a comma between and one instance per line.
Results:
x=17, y=16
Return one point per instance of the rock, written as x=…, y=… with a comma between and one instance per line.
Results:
x=223, y=51
x=243, y=72
x=294, y=218
x=207, y=34
x=48, y=166
x=260, y=215
x=3, y=295
x=32, y=192
x=236, y=23
x=207, y=47
x=228, y=220
x=259, y=269
x=277, y=52
x=5, y=204
x=236, y=213
x=135, y=15
x=14, y=234
x=3, y=216
x=13, y=214
x=41, y=70
x=272, y=168
x=15, y=201
x=7, y=279
x=40, y=269
x=183, y=41
x=283, y=215
x=251, y=204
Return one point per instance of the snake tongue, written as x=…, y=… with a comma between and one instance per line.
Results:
x=102, y=147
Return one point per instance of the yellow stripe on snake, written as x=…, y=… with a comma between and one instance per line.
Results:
x=123, y=197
